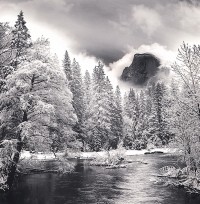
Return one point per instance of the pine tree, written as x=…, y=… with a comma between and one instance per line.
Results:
x=67, y=67
x=161, y=103
x=78, y=98
x=152, y=129
x=157, y=107
x=21, y=40
x=158, y=96
x=88, y=104
x=117, y=122
x=142, y=122
x=112, y=140
x=100, y=120
x=127, y=125
x=131, y=115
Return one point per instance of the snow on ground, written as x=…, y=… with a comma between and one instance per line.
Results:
x=86, y=155
x=39, y=155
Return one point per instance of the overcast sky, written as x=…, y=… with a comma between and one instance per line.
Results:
x=111, y=30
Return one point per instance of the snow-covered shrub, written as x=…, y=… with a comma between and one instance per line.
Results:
x=7, y=151
x=113, y=157
x=59, y=165
x=72, y=153
x=193, y=183
x=171, y=171
x=65, y=166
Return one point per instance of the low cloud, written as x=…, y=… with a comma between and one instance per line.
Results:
x=166, y=56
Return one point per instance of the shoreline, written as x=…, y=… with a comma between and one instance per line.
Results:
x=93, y=155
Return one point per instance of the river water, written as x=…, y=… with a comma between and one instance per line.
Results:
x=136, y=184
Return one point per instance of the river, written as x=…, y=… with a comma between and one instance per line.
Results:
x=137, y=184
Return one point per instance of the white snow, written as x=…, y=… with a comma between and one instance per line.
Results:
x=39, y=155
x=86, y=155
x=135, y=152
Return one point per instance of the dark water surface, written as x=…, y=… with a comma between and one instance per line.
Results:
x=137, y=184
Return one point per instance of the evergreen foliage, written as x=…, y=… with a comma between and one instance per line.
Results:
x=67, y=67
x=78, y=99
x=21, y=40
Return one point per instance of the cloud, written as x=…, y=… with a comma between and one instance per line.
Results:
x=106, y=29
x=14, y=1
x=147, y=19
x=102, y=29
x=86, y=62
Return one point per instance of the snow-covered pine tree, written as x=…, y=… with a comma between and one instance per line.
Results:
x=142, y=121
x=127, y=125
x=161, y=105
x=67, y=67
x=78, y=98
x=157, y=105
x=131, y=115
x=87, y=87
x=112, y=140
x=158, y=96
x=152, y=123
x=100, y=120
x=21, y=40
x=88, y=103
x=173, y=108
x=117, y=119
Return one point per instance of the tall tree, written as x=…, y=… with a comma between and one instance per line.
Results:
x=36, y=108
x=159, y=106
x=88, y=103
x=78, y=99
x=111, y=114
x=187, y=113
x=21, y=40
x=142, y=122
x=131, y=115
x=152, y=108
x=100, y=120
x=117, y=121
x=67, y=67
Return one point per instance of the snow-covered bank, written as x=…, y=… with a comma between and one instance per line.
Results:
x=182, y=178
x=39, y=155
x=139, y=152
x=128, y=152
x=89, y=155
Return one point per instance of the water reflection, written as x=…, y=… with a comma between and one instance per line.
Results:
x=136, y=184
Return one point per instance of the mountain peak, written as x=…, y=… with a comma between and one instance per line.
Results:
x=143, y=67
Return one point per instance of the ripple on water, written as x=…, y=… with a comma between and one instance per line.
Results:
x=96, y=185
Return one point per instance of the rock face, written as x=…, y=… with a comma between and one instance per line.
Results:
x=143, y=67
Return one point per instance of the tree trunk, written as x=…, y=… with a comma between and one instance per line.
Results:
x=198, y=110
x=13, y=166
